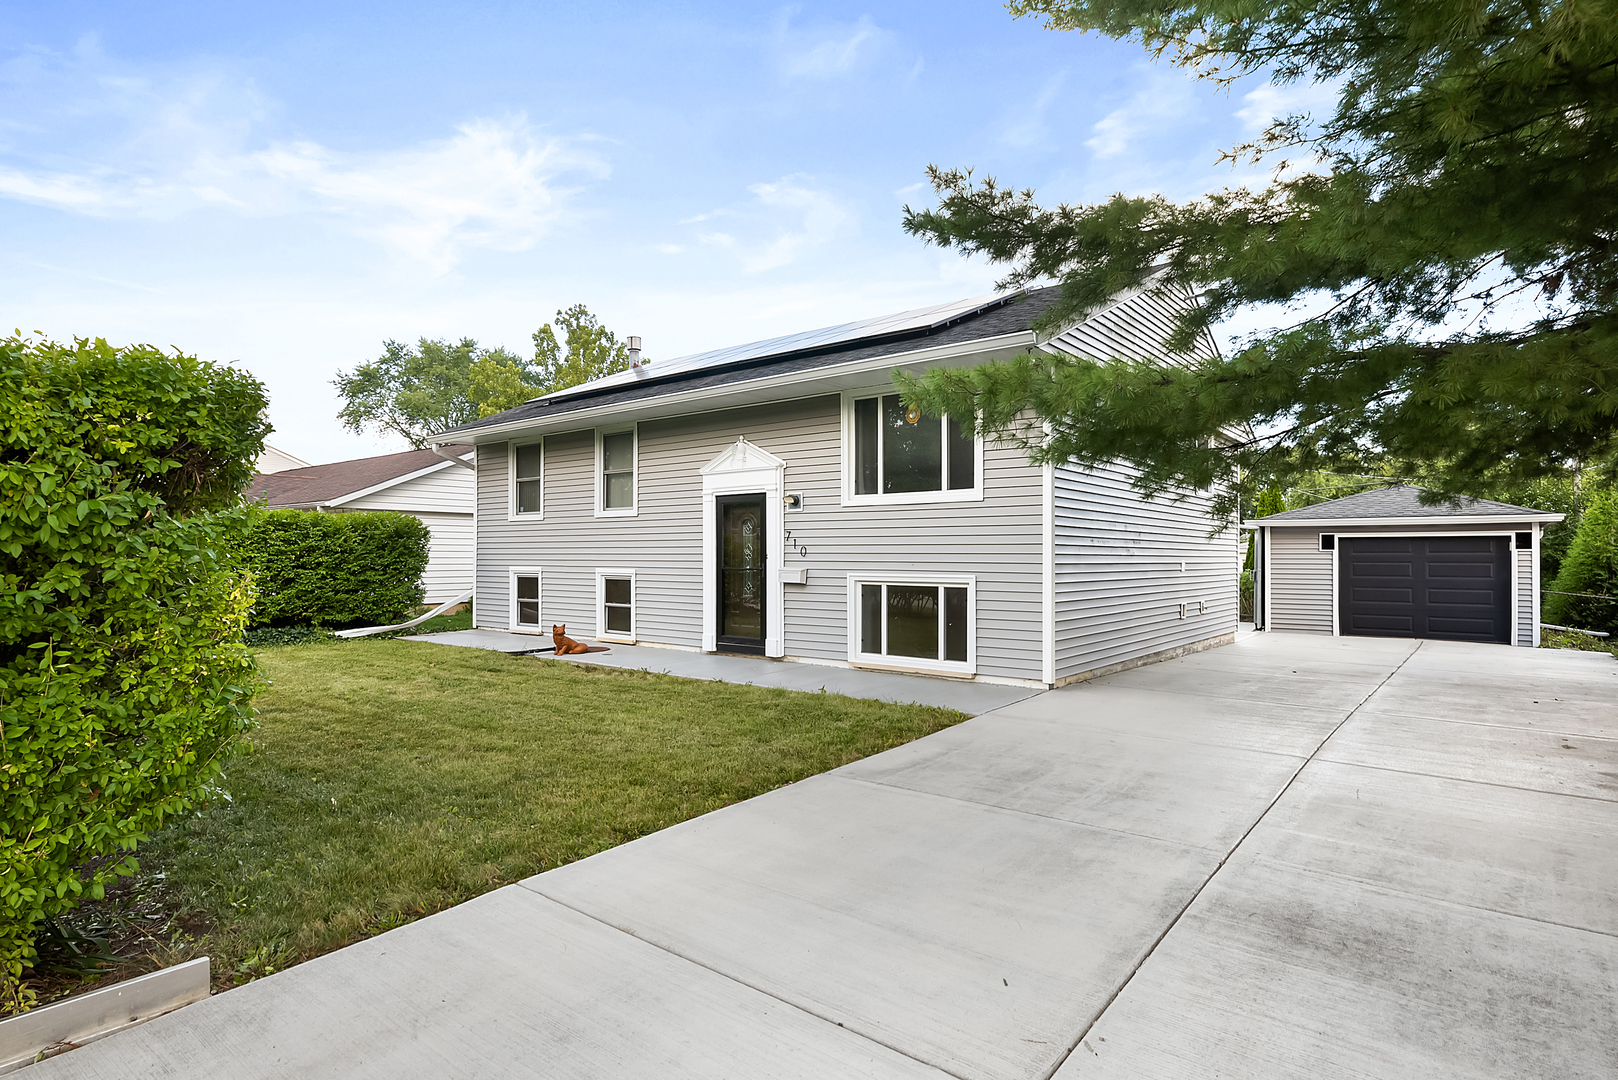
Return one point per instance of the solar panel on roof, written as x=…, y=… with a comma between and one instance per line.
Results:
x=924, y=318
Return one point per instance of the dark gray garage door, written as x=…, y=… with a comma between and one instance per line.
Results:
x=1453, y=587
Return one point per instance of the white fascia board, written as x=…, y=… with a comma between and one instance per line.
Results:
x=386, y=484
x=713, y=398
x=1321, y=523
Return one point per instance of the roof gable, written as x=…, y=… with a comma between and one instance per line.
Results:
x=318, y=485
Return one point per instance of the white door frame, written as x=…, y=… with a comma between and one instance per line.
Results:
x=744, y=469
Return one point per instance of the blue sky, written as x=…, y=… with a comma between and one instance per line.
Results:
x=284, y=186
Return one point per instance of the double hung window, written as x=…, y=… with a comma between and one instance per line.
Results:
x=527, y=483
x=903, y=452
x=615, y=465
x=914, y=624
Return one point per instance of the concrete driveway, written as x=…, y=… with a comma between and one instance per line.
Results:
x=1290, y=857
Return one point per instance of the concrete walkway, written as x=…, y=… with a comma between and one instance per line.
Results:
x=971, y=698
x=1290, y=857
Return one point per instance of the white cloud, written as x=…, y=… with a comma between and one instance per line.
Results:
x=1164, y=100
x=829, y=52
x=1268, y=103
x=183, y=142
x=784, y=221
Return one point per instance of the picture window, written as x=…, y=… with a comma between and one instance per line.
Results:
x=900, y=450
x=920, y=622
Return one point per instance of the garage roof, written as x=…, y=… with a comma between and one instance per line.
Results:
x=1401, y=504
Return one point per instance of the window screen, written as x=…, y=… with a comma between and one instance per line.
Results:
x=530, y=463
x=527, y=600
x=617, y=595
x=618, y=470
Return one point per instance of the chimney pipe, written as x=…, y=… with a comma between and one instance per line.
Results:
x=634, y=350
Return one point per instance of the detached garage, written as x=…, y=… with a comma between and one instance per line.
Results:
x=1380, y=564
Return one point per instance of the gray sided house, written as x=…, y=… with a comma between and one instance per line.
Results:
x=778, y=499
x=1382, y=564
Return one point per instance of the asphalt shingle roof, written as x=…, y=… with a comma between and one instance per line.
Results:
x=1398, y=501
x=1018, y=314
x=323, y=483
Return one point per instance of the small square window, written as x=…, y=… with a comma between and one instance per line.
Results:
x=1328, y=541
x=1525, y=541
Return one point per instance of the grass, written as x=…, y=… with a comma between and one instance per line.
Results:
x=390, y=779
x=1565, y=639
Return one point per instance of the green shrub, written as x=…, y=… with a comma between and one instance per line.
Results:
x=123, y=681
x=1590, y=568
x=359, y=569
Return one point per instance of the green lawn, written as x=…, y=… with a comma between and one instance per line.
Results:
x=390, y=779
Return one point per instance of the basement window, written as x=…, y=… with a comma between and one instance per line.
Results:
x=525, y=613
x=924, y=625
x=615, y=591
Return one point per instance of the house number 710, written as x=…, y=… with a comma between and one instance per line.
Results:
x=799, y=548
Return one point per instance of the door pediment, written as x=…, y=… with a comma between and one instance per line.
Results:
x=742, y=456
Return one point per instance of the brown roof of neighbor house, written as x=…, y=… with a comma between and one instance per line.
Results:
x=308, y=488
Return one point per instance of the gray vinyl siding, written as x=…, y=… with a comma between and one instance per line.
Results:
x=1118, y=555
x=999, y=539
x=1300, y=582
x=1118, y=571
x=1527, y=600
x=1299, y=586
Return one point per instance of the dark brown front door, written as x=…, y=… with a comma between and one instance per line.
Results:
x=742, y=614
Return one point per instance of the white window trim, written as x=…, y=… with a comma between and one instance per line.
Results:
x=512, y=574
x=633, y=509
x=882, y=662
x=971, y=494
x=511, y=476
x=602, y=633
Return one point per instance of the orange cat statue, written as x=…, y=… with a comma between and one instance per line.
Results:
x=565, y=644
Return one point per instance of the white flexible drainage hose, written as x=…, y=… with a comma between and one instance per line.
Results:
x=366, y=631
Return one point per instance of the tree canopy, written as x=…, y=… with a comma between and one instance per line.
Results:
x=1458, y=211
x=415, y=391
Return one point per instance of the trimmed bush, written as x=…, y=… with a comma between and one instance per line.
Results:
x=123, y=681
x=315, y=569
x=1591, y=568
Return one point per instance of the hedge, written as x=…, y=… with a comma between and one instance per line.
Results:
x=356, y=569
x=123, y=681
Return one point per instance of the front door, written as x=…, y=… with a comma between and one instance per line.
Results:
x=742, y=614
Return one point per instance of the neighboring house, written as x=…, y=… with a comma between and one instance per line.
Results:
x=778, y=499
x=438, y=490
x=1381, y=564
x=274, y=461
